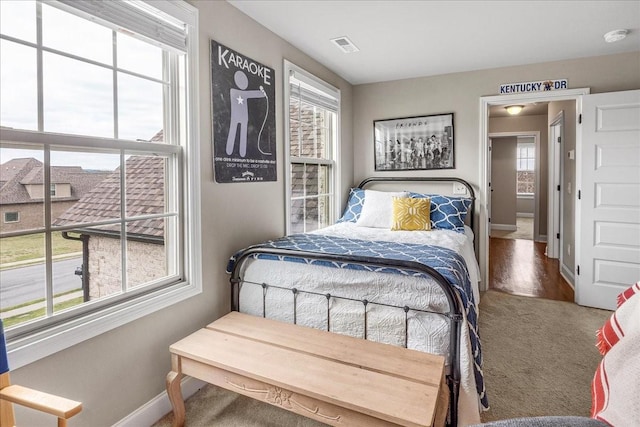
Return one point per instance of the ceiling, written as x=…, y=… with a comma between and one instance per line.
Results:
x=405, y=39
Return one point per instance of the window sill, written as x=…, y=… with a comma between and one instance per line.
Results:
x=25, y=350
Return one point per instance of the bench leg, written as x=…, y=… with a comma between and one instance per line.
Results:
x=175, y=396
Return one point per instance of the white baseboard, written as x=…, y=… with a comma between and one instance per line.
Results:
x=505, y=227
x=159, y=406
x=568, y=276
x=524, y=214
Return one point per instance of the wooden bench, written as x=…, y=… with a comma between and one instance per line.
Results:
x=335, y=379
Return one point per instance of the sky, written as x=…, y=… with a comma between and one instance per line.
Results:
x=78, y=97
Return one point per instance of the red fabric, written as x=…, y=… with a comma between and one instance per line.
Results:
x=624, y=296
x=615, y=387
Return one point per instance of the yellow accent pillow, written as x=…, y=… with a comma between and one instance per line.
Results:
x=411, y=214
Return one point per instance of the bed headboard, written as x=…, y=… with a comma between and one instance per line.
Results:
x=381, y=180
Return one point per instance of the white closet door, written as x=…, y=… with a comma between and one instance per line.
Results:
x=608, y=212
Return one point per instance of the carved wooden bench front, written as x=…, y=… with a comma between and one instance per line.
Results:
x=335, y=379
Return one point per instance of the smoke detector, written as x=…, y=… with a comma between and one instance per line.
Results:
x=345, y=44
x=615, y=35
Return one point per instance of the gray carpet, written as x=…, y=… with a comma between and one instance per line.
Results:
x=539, y=359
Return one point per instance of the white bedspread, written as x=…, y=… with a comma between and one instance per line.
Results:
x=427, y=332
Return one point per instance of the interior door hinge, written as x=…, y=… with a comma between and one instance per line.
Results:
x=559, y=140
x=579, y=194
x=578, y=270
x=558, y=187
x=580, y=118
x=557, y=235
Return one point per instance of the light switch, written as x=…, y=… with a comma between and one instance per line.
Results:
x=459, y=188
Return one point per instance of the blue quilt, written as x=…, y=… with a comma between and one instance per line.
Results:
x=445, y=261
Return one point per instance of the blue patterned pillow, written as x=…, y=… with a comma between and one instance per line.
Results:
x=447, y=212
x=354, y=206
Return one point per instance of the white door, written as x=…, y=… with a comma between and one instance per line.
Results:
x=608, y=209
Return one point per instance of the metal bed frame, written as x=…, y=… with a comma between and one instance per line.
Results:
x=454, y=313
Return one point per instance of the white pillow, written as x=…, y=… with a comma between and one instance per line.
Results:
x=377, y=210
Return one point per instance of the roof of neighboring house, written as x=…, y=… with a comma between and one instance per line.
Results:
x=59, y=175
x=144, y=195
x=17, y=173
x=11, y=173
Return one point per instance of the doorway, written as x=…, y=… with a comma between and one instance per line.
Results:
x=515, y=182
x=525, y=262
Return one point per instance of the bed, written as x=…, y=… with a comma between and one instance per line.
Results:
x=361, y=277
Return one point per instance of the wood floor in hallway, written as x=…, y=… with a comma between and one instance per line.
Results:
x=520, y=267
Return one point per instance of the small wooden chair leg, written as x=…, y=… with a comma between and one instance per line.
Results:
x=175, y=396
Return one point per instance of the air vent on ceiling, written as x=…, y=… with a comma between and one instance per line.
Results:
x=345, y=44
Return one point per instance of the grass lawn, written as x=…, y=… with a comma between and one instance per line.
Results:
x=22, y=248
x=14, y=320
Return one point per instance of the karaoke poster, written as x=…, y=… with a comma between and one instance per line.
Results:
x=244, y=130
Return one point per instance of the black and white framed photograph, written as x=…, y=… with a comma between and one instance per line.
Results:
x=414, y=143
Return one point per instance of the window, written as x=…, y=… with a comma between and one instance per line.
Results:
x=525, y=166
x=98, y=106
x=312, y=141
x=11, y=217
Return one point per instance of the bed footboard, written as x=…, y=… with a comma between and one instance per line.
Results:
x=454, y=313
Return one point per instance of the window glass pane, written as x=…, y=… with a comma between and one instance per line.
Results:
x=138, y=56
x=67, y=270
x=311, y=214
x=145, y=190
x=323, y=179
x=88, y=187
x=79, y=105
x=22, y=190
x=140, y=108
x=18, y=19
x=294, y=126
x=104, y=253
x=146, y=251
x=297, y=216
x=297, y=180
x=323, y=211
x=22, y=278
x=311, y=180
x=18, y=86
x=71, y=34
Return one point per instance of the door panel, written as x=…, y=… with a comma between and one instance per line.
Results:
x=609, y=209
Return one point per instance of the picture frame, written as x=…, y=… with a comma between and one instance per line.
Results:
x=414, y=143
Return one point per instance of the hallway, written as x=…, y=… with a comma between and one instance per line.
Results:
x=520, y=267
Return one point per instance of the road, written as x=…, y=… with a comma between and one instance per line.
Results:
x=24, y=284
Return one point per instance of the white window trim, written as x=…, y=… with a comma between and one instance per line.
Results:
x=35, y=346
x=335, y=181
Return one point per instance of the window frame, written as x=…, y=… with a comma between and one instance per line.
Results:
x=333, y=162
x=528, y=144
x=27, y=345
x=17, y=214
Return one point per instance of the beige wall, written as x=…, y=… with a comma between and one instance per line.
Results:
x=119, y=371
x=460, y=93
x=503, y=181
